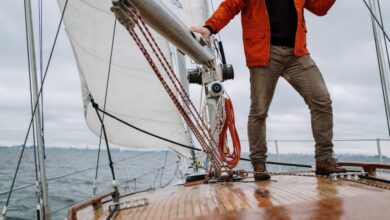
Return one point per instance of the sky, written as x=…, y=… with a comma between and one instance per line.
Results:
x=341, y=44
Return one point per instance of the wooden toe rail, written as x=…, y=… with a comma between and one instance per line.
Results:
x=95, y=202
x=369, y=168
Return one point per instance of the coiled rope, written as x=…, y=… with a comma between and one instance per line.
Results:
x=230, y=157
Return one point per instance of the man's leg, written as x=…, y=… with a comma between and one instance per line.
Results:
x=303, y=74
x=263, y=81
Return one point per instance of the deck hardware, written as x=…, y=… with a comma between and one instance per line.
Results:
x=120, y=10
x=346, y=176
x=369, y=168
x=130, y=204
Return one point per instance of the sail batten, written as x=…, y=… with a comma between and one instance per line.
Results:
x=134, y=93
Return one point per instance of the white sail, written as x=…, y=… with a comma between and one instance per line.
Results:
x=134, y=94
x=191, y=12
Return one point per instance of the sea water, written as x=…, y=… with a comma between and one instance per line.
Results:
x=71, y=173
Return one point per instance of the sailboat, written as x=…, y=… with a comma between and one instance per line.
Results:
x=135, y=94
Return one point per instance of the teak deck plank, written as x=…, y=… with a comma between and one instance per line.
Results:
x=187, y=203
x=285, y=197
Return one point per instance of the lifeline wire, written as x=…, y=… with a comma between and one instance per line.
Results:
x=77, y=172
x=168, y=183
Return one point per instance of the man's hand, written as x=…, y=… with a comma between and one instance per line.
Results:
x=204, y=32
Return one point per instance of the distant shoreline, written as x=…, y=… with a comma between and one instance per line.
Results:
x=119, y=149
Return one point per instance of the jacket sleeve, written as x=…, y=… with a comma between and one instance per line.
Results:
x=225, y=12
x=319, y=7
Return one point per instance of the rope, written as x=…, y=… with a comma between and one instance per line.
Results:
x=111, y=164
x=104, y=105
x=200, y=130
x=176, y=82
x=183, y=145
x=141, y=130
x=230, y=158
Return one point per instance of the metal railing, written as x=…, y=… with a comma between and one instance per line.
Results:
x=377, y=141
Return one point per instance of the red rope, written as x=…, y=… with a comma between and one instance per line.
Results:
x=231, y=156
x=203, y=137
x=222, y=157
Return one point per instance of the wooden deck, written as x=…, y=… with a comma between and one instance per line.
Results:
x=284, y=197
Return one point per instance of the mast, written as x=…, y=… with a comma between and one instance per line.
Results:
x=42, y=190
x=384, y=70
x=182, y=69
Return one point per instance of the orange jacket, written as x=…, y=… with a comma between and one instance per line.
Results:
x=256, y=27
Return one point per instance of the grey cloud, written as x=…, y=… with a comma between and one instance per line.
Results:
x=341, y=43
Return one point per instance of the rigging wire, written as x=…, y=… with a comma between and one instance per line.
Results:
x=108, y=152
x=143, y=190
x=78, y=172
x=40, y=27
x=35, y=104
x=213, y=9
x=104, y=105
x=202, y=133
x=377, y=21
x=183, y=145
x=44, y=76
x=32, y=119
x=384, y=38
x=31, y=107
x=31, y=96
x=383, y=78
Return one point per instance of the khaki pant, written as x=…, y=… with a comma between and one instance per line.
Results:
x=303, y=74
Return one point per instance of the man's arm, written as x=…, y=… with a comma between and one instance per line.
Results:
x=319, y=7
x=225, y=12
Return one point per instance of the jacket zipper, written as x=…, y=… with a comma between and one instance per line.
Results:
x=269, y=33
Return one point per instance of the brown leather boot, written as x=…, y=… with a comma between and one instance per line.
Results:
x=327, y=167
x=260, y=171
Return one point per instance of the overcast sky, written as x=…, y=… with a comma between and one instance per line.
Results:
x=341, y=44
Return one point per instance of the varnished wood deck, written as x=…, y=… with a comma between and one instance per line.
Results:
x=284, y=197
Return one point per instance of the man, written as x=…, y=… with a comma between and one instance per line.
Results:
x=274, y=33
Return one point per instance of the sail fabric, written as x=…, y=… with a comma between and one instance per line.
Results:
x=134, y=93
x=190, y=12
